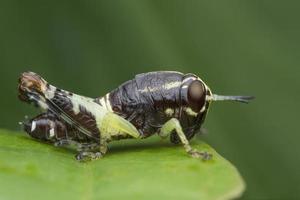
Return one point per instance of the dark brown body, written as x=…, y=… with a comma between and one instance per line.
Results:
x=143, y=101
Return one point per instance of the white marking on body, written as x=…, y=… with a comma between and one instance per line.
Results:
x=188, y=79
x=202, y=109
x=209, y=98
x=97, y=110
x=42, y=104
x=50, y=92
x=169, y=112
x=107, y=102
x=92, y=107
x=86, y=102
x=102, y=102
x=190, y=112
x=40, y=101
x=167, y=86
x=51, y=132
x=172, y=85
x=33, y=125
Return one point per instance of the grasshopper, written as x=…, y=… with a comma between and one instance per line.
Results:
x=167, y=103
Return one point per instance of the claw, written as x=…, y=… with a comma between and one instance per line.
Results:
x=197, y=154
x=88, y=156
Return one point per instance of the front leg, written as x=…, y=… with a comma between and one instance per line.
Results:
x=174, y=125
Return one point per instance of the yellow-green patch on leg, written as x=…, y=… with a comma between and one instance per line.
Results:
x=174, y=125
x=112, y=125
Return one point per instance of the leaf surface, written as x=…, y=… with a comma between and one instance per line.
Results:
x=132, y=169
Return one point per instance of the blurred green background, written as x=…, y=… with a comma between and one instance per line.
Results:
x=237, y=47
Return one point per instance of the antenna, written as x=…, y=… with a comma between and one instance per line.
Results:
x=243, y=99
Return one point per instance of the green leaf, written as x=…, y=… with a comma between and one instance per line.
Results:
x=134, y=169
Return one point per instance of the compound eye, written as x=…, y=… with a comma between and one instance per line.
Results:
x=196, y=95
